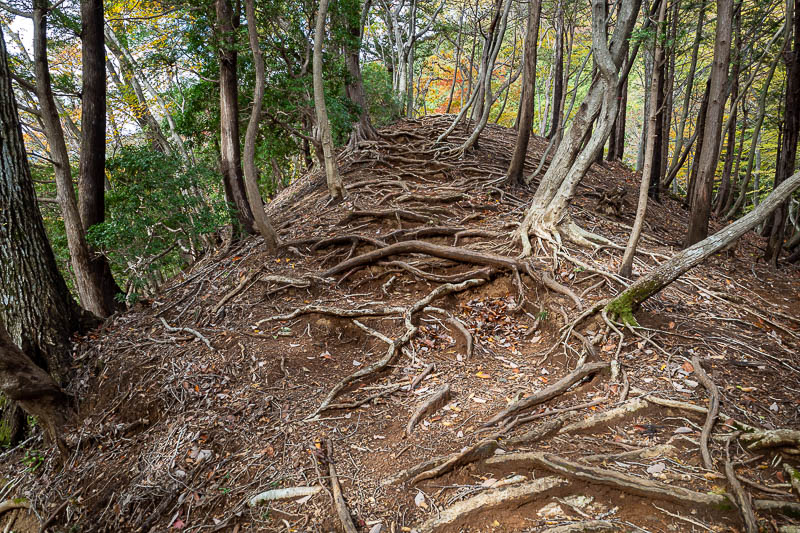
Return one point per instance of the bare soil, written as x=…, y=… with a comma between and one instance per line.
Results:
x=177, y=436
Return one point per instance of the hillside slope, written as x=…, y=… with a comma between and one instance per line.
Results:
x=408, y=299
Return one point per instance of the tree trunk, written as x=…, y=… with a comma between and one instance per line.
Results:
x=90, y=287
x=701, y=121
x=335, y=186
x=38, y=314
x=648, y=76
x=649, y=171
x=457, y=60
x=529, y=94
x=708, y=158
x=260, y=217
x=687, y=97
x=730, y=150
x=657, y=97
x=92, y=177
x=629, y=300
x=230, y=150
x=547, y=214
x=791, y=129
x=362, y=129
x=558, y=73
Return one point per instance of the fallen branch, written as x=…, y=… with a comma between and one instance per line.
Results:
x=433, y=403
x=557, y=388
x=194, y=332
x=713, y=410
x=417, y=380
x=338, y=499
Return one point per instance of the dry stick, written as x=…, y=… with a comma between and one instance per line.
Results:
x=338, y=499
x=550, y=392
x=742, y=498
x=397, y=344
x=417, y=380
x=187, y=330
x=713, y=410
x=433, y=403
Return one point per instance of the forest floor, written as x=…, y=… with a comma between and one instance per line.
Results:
x=423, y=311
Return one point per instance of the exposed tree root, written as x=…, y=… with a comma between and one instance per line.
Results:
x=252, y=278
x=550, y=392
x=514, y=496
x=334, y=311
x=631, y=406
x=433, y=403
x=541, y=431
x=611, y=478
x=478, y=451
x=338, y=500
x=358, y=403
x=397, y=344
x=483, y=273
x=713, y=410
x=774, y=438
x=347, y=239
x=535, y=416
x=426, y=371
x=398, y=214
x=457, y=324
x=794, y=478
x=651, y=452
x=580, y=527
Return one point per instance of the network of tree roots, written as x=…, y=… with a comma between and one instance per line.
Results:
x=396, y=357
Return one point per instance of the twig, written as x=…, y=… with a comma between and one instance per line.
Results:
x=194, y=332
x=431, y=404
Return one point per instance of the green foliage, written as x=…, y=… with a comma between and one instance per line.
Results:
x=384, y=108
x=156, y=214
x=33, y=459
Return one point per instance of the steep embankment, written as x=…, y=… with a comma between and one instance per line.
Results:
x=396, y=328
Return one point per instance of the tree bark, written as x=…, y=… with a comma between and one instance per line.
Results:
x=230, y=150
x=528, y=102
x=629, y=300
x=708, y=158
x=649, y=171
x=730, y=149
x=92, y=166
x=335, y=186
x=90, y=287
x=37, y=315
x=260, y=217
x=362, y=129
x=791, y=129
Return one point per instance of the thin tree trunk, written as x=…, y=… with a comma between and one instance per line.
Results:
x=261, y=219
x=701, y=121
x=558, y=73
x=648, y=173
x=730, y=150
x=629, y=300
x=791, y=130
x=528, y=102
x=708, y=158
x=687, y=97
x=335, y=186
x=90, y=288
x=457, y=60
x=230, y=149
x=648, y=102
x=362, y=129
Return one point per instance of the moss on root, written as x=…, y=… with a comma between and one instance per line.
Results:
x=622, y=307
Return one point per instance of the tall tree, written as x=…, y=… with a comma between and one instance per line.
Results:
x=92, y=167
x=791, y=129
x=528, y=102
x=362, y=129
x=335, y=186
x=558, y=73
x=261, y=219
x=37, y=316
x=91, y=287
x=708, y=157
x=230, y=150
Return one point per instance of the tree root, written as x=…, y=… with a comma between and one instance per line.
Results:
x=742, y=498
x=611, y=478
x=433, y=403
x=251, y=278
x=794, y=478
x=713, y=410
x=580, y=527
x=513, y=496
x=631, y=406
x=478, y=451
x=398, y=214
x=358, y=403
x=774, y=438
x=457, y=324
x=651, y=452
x=396, y=344
x=334, y=311
x=10, y=505
x=550, y=392
x=338, y=500
x=542, y=431
x=485, y=273
x=347, y=239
